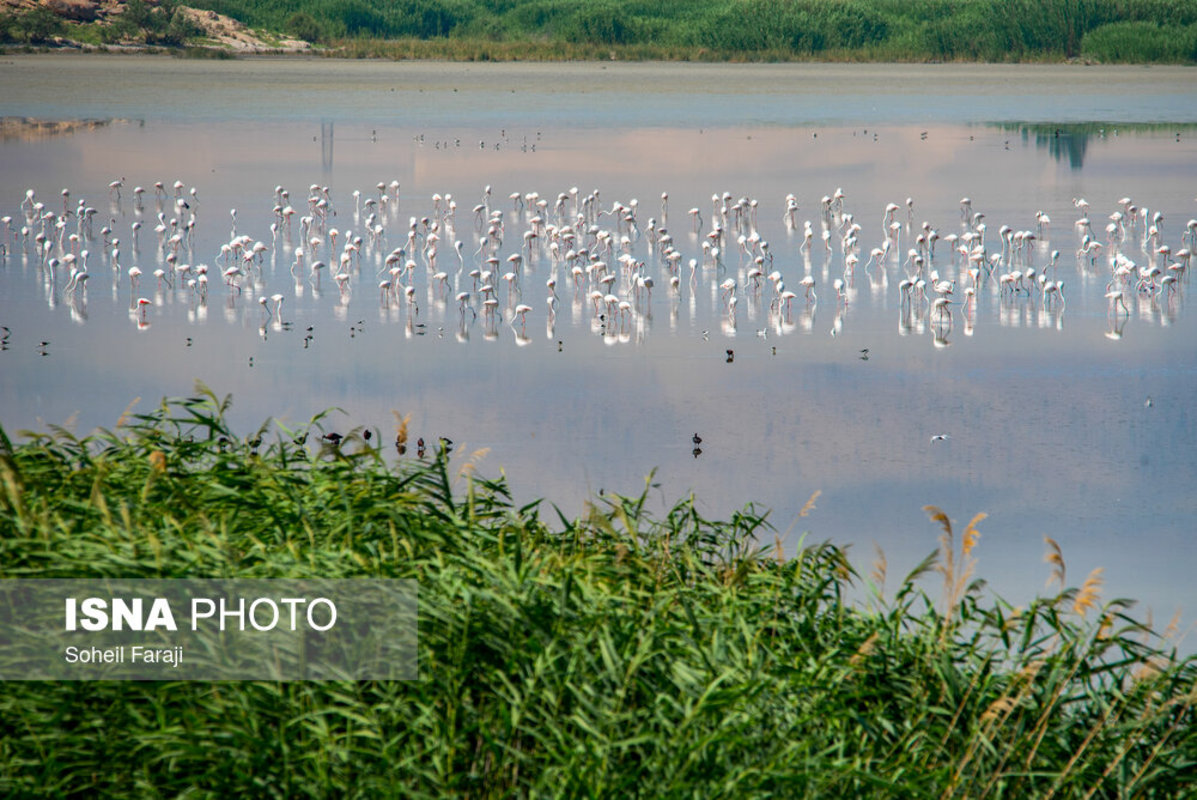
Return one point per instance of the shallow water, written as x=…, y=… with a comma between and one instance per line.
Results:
x=1066, y=421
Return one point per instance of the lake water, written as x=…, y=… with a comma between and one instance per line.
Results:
x=1062, y=419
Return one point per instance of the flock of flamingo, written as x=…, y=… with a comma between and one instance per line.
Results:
x=496, y=260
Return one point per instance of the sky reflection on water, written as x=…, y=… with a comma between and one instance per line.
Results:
x=1046, y=408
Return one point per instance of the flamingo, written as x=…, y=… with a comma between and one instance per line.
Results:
x=1116, y=300
x=808, y=283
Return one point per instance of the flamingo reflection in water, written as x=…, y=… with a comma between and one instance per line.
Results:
x=941, y=323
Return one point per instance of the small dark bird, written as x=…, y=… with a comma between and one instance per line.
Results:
x=367, y=434
x=731, y=356
x=696, y=439
x=333, y=438
x=864, y=354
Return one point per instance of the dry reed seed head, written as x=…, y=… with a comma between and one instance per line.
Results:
x=947, y=563
x=1029, y=670
x=810, y=504
x=471, y=462
x=937, y=515
x=123, y=419
x=843, y=570
x=880, y=567
x=866, y=649
x=1055, y=557
x=1090, y=591
x=1106, y=627
x=158, y=461
x=401, y=427
x=781, y=551
x=971, y=534
x=1147, y=670
x=998, y=708
x=1173, y=628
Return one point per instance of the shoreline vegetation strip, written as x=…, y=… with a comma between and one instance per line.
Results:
x=619, y=653
x=1093, y=31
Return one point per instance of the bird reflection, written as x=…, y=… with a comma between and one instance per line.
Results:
x=1115, y=327
x=941, y=328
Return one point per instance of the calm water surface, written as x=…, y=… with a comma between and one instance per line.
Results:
x=1062, y=419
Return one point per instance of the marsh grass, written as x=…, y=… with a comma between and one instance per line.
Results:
x=1125, y=31
x=618, y=653
x=1141, y=42
x=1111, y=31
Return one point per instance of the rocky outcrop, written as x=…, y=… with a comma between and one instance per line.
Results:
x=220, y=31
x=76, y=10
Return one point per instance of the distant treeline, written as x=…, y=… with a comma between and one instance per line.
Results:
x=1136, y=31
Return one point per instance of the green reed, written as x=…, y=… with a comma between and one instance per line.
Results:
x=740, y=30
x=618, y=653
x=1110, y=31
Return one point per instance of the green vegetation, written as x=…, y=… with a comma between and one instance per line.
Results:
x=1139, y=42
x=612, y=655
x=1122, y=31
x=899, y=30
x=37, y=26
x=162, y=25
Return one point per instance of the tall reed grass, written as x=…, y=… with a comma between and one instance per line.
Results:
x=897, y=30
x=1142, y=42
x=1122, y=31
x=619, y=653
